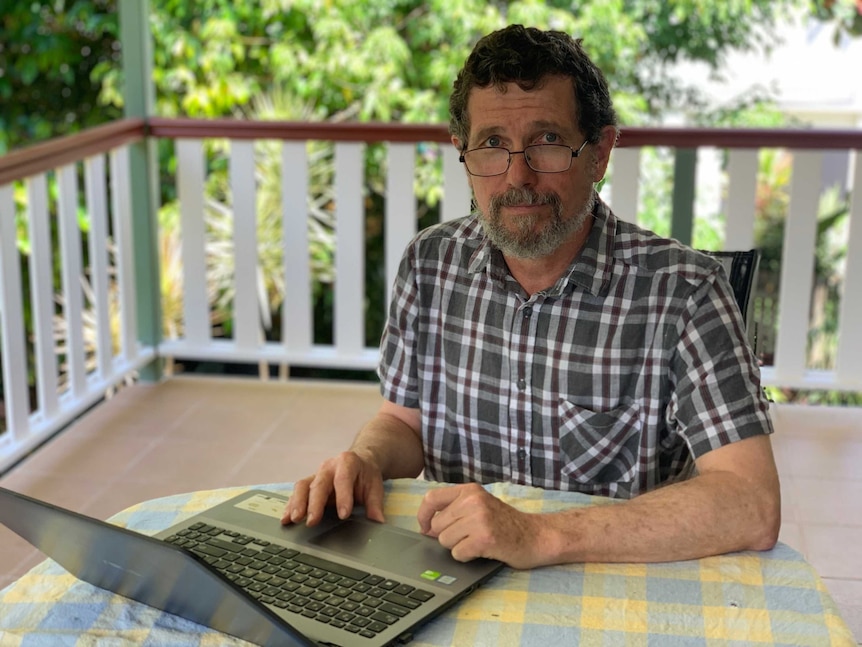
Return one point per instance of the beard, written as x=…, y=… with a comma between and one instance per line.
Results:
x=531, y=236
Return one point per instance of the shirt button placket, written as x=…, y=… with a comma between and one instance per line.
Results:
x=521, y=453
x=525, y=332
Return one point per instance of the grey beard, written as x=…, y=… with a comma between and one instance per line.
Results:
x=525, y=241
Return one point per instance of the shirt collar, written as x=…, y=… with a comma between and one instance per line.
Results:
x=590, y=270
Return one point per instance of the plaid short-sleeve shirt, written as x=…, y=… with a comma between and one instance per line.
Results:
x=610, y=382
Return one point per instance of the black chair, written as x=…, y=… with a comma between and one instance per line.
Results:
x=741, y=269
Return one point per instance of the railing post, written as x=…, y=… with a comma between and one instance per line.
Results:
x=797, y=268
x=849, y=356
x=682, y=216
x=741, y=199
x=138, y=96
x=625, y=183
x=12, y=333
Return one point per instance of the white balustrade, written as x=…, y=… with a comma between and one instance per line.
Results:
x=94, y=357
x=65, y=326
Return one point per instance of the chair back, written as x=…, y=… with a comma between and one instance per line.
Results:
x=741, y=270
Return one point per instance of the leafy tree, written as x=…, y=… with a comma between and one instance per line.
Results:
x=53, y=56
x=387, y=60
x=392, y=60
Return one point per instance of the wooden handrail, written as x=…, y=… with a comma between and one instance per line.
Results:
x=389, y=132
x=792, y=138
x=294, y=130
x=54, y=153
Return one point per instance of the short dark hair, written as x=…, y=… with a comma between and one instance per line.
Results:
x=526, y=56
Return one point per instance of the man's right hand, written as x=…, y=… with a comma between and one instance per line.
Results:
x=389, y=445
x=343, y=481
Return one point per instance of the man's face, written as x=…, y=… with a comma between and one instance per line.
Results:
x=528, y=214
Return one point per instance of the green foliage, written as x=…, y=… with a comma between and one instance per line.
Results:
x=391, y=60
x=50, y=53
x=846, y=15
x=826, y=398
x=386, y=60
x=689, y=31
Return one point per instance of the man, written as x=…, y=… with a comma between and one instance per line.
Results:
x=543, y=341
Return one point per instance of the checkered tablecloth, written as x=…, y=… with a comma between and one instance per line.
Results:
x=748, y=598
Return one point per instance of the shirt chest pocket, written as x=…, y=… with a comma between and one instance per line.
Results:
x=599, y=447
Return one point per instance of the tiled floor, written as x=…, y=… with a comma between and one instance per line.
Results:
x=191, y=433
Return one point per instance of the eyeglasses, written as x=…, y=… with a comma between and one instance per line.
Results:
x=542, y=158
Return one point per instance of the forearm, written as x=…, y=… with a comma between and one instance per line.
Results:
x=708, y=515
x=392, y=445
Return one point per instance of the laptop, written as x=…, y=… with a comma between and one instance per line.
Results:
x=236, y=569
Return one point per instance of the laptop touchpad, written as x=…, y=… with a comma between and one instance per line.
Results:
x=357, y=538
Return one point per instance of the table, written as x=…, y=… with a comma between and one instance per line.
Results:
x=746, y=598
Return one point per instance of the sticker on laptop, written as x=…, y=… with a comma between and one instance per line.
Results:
x=262, y=504
x=434, y=576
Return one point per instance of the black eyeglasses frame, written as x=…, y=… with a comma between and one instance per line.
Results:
x=575, y=153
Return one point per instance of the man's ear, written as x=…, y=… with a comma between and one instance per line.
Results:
x=602, y=151
x=460, y=147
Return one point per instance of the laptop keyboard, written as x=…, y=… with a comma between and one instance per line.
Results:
x=340, y=596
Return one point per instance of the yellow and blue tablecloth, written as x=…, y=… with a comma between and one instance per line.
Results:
x=748, y=598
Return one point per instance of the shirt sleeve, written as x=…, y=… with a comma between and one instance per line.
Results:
x=397, y=369
x=717, y=397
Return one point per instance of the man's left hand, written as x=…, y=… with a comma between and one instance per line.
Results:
x=473, y=523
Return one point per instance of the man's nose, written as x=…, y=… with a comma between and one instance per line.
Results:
x=519, y=173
